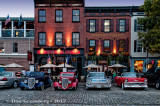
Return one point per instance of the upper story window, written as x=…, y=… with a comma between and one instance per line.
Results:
x=138, y=27
x=122, y=24
x=92, y=25
x=42, y=15
x=59, y=39
x=106, y=25
x=138, y=46
x=15, y=47
x=59, y=16
x=92, y=45
x=106, y=46
x=76, y=15
x=42, y=39
x=75, y=38
x=121, y=45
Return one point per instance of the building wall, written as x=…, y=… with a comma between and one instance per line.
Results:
x=67, y=27
x=107, y=36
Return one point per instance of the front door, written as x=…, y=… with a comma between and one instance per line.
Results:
x=79, y=67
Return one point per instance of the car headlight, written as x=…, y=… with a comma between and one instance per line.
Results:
x=25, y=81
x=69, y=82
x=126, y=80
x=37, y=81
x=60, y=82
x=89, y=81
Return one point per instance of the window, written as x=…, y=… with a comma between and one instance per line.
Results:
x=140, y=27
x=92, y=25
x=15, y=47
x=139, y=47
x=92, y=44
x=121, y=45
x=42, y=15
x=138, y=66
x=75, y=38
x=59, y=39
x=76, y=14
x=106, y=25
x=1, y=47
x=106, y=46
x=122, y=25
x=59, y=15
x=42, y=39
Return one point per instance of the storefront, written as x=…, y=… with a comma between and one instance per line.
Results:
x=142, y=64
x=72, y=56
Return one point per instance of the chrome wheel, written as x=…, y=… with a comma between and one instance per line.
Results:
x=157, y=85
x=15, y=84
x=122, y=86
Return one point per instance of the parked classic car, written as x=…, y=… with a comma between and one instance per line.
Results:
x=10, y=79
x=130, y=80
x=153, y=77
x=67, y=80
x=97, y=80
x=36, y=80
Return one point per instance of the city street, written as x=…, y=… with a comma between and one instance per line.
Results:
x=114, y=96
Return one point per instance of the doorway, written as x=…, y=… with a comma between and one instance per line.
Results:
x=79, y=67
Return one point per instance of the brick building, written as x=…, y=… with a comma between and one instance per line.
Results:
x=66, y=28
x=16, y=41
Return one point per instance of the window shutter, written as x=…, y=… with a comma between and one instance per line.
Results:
x=97, y=43
x=117, y=25
x=87, y=45
x=102, y=45
x=135, y=44
x=117, y=45
x=112, y=25
x=127, y=25
x=111, y=46
x=127, y=45
x=102, y=25
x=135, y=25
x=97, y=25
x=87, y=25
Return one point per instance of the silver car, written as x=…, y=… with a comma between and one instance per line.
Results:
x=10, y=79
x=97, y=80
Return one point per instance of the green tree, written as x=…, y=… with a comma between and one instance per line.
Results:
x=151, y=26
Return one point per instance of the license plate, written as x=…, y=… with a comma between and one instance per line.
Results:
x=98, y=86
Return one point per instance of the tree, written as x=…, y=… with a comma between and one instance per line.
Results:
x=151, y=26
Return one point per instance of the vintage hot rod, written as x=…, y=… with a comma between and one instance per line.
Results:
x=67, y=80
x=130, y=80
x=36, y=80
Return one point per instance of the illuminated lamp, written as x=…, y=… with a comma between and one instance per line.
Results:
x=59, y=51
x=99, y=51
x=42, y=51
x=114, y=51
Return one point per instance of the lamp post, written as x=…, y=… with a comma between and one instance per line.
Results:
x=147, y=59
x=64, y=53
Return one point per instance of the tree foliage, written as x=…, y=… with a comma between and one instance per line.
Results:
x=151, y=26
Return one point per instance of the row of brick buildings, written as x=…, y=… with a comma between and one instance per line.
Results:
x=84, y=35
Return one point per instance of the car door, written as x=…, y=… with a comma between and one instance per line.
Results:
x=157, y=74
x=150, y=75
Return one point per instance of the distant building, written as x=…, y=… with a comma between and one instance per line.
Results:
x=16, y=41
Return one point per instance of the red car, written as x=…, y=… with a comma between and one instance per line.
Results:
x=67, y=80
x=130, y=80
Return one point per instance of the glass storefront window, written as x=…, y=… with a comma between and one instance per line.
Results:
x=158, y=65
x=138, y=66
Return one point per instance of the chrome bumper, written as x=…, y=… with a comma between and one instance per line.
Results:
x=135, y=85
x=5, y=83
x=99, y=85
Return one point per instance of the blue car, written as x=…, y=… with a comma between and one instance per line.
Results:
x=36, y=80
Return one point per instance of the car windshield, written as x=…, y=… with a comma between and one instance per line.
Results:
x=129, y=75
x=67, y=74
x=6, y=74
x=36, y=74
x=101, y=75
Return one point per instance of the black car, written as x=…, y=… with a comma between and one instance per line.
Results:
x=153, y=77
x=36, y=80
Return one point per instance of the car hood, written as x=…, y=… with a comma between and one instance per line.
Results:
x=134, y=79
x=96, y=79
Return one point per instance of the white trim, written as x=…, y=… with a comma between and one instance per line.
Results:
x=24, y=28
x=12, y=29
x=0, y=28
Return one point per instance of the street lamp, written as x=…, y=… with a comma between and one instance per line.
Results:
x=64, y=53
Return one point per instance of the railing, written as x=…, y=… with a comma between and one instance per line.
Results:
x=6, y=32
x=30, y=33
x=18, y=33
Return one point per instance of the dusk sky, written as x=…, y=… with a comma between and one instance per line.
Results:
x=26, y=7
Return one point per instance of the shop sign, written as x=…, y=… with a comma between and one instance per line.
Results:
x=108, y=35
x=59, y=52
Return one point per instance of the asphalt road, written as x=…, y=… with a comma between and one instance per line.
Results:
x=114, y=96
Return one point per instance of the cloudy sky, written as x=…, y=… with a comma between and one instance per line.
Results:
x=26, y=7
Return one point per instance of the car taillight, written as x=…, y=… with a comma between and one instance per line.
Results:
x=4, y=79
